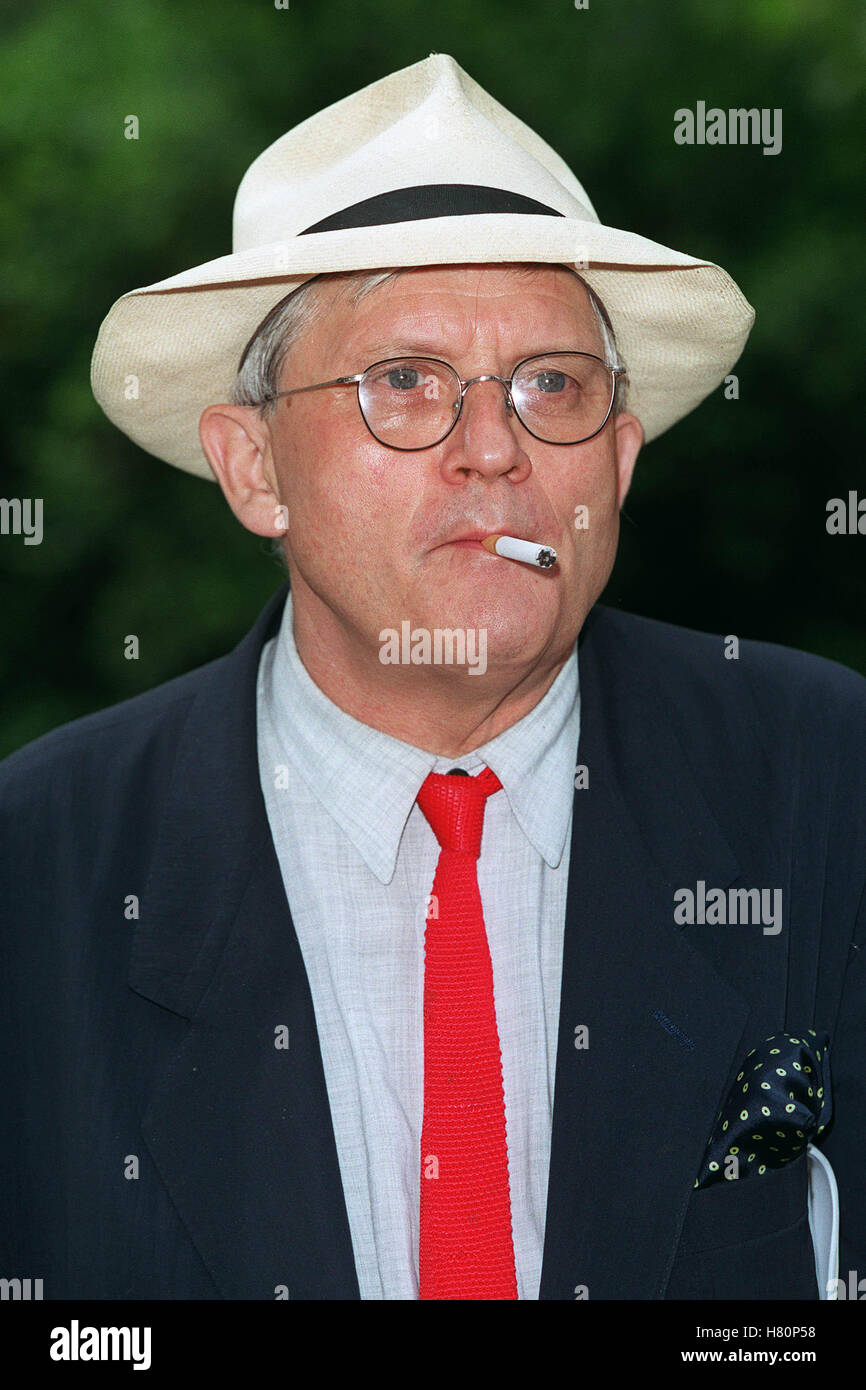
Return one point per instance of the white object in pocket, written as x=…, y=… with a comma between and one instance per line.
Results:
x=824, y=1222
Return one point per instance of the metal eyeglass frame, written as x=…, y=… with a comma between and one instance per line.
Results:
x=507, y=382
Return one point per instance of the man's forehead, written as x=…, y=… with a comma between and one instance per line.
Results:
x=550, y=281
x=440, y=301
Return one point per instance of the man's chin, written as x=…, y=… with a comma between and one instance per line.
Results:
x=514, y=629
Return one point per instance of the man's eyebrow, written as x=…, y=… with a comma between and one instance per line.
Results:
x=385, y=348
x=402, y=347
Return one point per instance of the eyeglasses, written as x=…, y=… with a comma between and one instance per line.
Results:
x=414, y=402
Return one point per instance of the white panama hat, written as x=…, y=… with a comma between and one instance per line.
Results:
x=420, y=168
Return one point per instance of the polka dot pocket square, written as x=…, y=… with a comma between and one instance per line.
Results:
x=779, y=1102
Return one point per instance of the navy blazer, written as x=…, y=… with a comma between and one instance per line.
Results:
x=157, y=1145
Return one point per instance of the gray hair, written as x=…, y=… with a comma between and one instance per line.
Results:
x=258, y=377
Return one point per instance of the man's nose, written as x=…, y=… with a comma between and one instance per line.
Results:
x=486, y=438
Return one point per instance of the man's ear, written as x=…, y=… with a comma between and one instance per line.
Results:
x=237, y=444
x=628, y=439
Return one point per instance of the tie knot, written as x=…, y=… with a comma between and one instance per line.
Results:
x=454, y=808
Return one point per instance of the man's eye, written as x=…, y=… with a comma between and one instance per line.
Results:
x=550, y=381
x=403, y=378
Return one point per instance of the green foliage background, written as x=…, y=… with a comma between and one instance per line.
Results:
x=725, y=527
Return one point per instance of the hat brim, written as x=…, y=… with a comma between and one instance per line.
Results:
x=167, y=351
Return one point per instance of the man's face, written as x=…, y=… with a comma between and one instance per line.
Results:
x=374, y=534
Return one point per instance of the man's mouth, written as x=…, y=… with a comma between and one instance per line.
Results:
x=475, y=535
x=508, y=545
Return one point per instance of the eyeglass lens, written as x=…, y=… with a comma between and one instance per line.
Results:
x=412, y=402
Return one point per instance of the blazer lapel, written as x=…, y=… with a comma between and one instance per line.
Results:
x=634, y=1107
x=238, y=1123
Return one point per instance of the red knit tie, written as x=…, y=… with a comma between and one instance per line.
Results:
x=466, y=1250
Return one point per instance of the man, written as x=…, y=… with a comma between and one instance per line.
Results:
x=435, y=942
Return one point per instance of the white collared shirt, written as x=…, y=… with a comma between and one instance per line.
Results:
x=357, y=859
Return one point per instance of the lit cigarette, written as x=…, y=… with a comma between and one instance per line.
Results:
x=510, y=548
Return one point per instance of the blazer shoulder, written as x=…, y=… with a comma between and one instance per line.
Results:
x=137, y=738
x=107, y=744
x=767, y=675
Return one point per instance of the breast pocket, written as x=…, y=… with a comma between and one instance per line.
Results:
x=748, y=1238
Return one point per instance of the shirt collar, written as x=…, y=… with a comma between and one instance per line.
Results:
x=368, y=781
